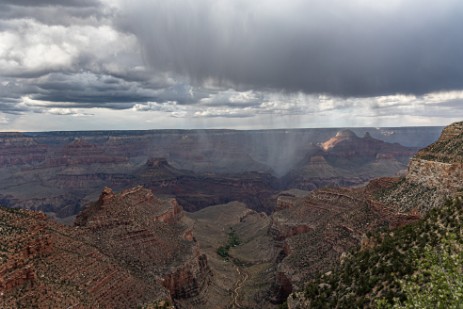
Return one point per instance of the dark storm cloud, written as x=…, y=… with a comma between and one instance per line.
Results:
x=11, y=107
x=50, y=12
x=230, y=58
x=89, y=90
x=71, y=3
x=10, y=96
x=52, y=15
x=64, y=54
x=346, y=48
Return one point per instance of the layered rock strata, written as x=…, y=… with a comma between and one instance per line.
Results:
x=434, y=174
x=127, y=249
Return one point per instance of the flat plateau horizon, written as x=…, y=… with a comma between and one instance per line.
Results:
x=223, y=129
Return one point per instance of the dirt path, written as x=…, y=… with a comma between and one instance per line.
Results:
x=243, y=276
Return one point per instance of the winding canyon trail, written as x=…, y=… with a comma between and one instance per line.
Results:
x=243, y=276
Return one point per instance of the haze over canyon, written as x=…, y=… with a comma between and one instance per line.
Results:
x=231, y=231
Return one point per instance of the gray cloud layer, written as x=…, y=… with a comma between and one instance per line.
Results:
x=195, y=59
x=346, y=48
x=72, y=3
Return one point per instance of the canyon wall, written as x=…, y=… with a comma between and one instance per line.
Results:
x=434, y=174
x=127, y=249
x=58, y=172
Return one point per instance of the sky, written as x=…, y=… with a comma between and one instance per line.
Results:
x=239, y=64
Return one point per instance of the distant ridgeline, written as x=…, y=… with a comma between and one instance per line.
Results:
x=59, y=172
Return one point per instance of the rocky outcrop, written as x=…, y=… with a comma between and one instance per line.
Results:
x=315, y=230
x=157, y=162
x=440, y=165
x=346, y=145
x=347, y=160
x=189, y=281
x=127, y=249
x=147, y=235
x=48, y=265
x=341, y=136
x=448, y=148
x=441, y=176
x=434, y=174
x=20, y=249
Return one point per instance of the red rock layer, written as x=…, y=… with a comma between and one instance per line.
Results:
x=128, y=249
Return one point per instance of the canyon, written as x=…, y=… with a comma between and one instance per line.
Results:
x=126, y=249
x=191, y=238
x=136, y=249
x=60, y=172
x=434, y=174
x=430, y=197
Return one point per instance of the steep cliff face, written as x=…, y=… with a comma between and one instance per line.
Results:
x=317, y=229
x=46, y=265
x=440, y=165
x=127, y=249
x=137, y=228
x=448, y=148
x=434, y=174
x=188, y=284
x=149, y=236
x=341, y=136
x=20, y=248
